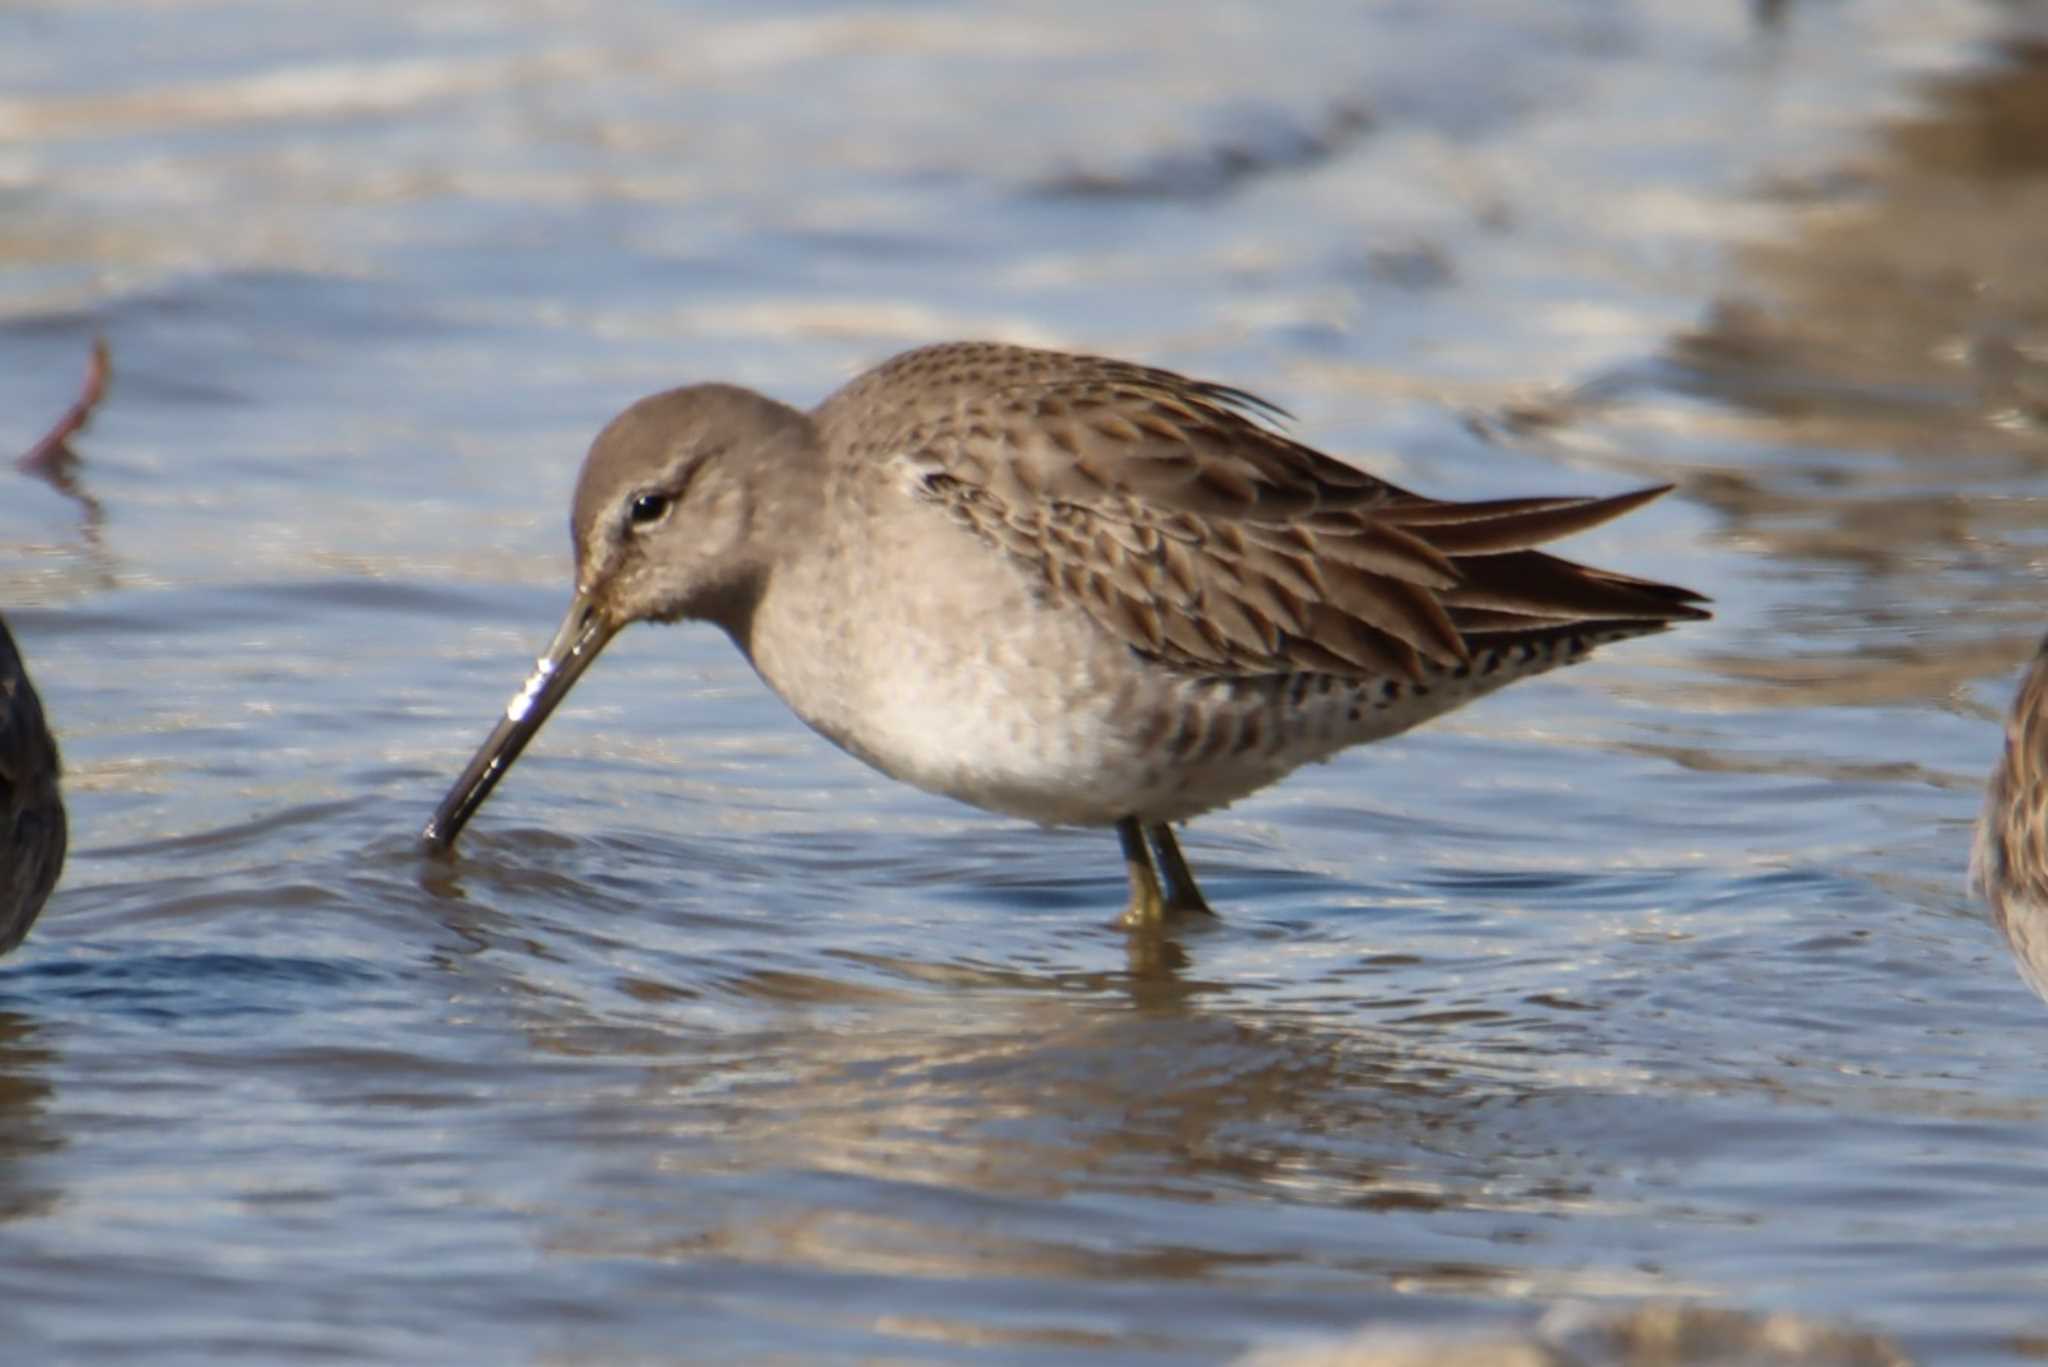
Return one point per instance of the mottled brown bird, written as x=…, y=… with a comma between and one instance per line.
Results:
x=2009, y=866
x=31, y=808
x=1066, y=588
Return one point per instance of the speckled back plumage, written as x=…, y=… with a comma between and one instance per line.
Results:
x=2009, y=864
x=32, y=826
x=1205, y=539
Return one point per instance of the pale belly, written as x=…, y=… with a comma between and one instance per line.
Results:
x=966, y=684
x=928, y=654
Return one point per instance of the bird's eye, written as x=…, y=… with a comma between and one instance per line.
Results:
x=647, y=509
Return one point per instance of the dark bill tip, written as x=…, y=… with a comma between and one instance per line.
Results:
x=583, y=634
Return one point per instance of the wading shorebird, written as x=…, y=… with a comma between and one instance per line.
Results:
x=32, y=827
x=1065, y=588
x=2009, y=865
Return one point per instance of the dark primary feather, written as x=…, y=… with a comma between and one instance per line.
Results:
x=1211, y=541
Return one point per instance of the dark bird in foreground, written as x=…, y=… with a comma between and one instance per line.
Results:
x=1066, y=588
x=32, y=829
x=2009, y=866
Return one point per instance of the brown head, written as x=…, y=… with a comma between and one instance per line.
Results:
x=673, y=518
x=673, y=498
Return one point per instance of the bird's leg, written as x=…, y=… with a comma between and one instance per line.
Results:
x=1183, y=895
x=1147, y=909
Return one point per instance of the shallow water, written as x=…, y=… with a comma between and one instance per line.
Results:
x=1651, y=981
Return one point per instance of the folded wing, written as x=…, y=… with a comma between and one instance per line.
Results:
x=1186, y=526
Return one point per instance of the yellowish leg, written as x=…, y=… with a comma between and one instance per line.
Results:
x=1183, y=895
x=1148, y=908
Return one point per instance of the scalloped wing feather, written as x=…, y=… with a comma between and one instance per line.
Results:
x=1204, y=538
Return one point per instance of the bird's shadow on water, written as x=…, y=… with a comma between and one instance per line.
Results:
x=479, y=894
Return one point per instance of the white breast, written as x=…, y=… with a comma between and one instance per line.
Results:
x=927, y=654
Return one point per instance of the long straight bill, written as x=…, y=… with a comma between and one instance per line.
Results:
x=584, y=633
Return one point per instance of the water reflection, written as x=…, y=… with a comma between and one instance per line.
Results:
x=53, y=460
x=1907, y=311
x=1869, y=397
x=924, y=1136
x=27, y=571
x=25, y=1130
